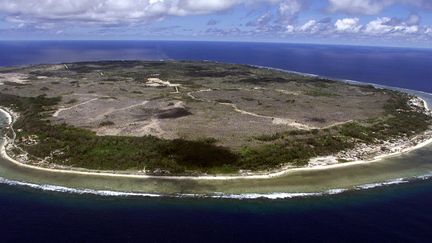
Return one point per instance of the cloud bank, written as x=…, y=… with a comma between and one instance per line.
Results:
x=114, y=11
x=280, y=18
x=369, y=7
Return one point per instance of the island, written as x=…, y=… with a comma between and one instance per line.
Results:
x=197, y=119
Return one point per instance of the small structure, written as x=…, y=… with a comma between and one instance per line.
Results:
x=30, y=140
x=156, y=82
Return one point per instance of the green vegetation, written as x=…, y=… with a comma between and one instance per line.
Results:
x=299, y=146
x=318, y=93
x=297, y=151
x=401, y=120
x=73, y=146
x=260, y=80
x=82, y=148
x=269, y=138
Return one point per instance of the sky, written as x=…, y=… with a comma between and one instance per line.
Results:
x=351, y=22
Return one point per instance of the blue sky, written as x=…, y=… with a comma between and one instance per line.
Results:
x=357, y=22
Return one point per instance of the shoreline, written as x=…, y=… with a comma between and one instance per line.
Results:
x=11, y=119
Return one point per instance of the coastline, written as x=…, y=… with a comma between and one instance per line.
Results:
x=11, y=119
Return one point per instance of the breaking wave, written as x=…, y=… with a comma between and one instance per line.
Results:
x=246, y=196
x=53, y=188
x=386, y=183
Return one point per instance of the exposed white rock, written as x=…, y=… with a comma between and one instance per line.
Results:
x=156, y=82
x=322, y=161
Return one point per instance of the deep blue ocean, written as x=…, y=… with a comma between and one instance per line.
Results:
x=397, y=213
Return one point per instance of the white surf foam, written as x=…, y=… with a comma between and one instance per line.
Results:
x=53, y=188
x=386, y=183
x=62, y=189
x=275, y=196
x=245, y=196
x=425, y=177
x=265, y=196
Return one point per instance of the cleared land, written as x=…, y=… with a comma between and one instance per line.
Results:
x=195, y=117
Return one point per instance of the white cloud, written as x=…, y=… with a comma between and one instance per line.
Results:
x=369, y=7
x=280, y=19
x=407, y=29
x=290, y=29
x=288, y=10
x=323, y=26
x=350, y=25
x=284, y=15
x=386, y=25
x=311, y=26
x=261, y=21
x=273, y=16
x=379, y=26
x=382, y=26
x=116, y=11
x=290, y=7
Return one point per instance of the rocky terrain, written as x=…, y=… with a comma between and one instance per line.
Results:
x=253, y=113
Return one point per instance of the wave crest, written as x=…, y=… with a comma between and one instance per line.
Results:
x=245, y=196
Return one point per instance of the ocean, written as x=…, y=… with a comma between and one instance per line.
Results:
x=406, y=68
x=392, y=212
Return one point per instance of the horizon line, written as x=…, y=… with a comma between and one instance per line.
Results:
x=222, y=41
